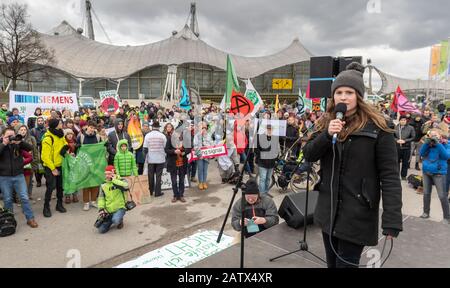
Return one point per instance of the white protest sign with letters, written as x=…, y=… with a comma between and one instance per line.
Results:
x=182, y=253
x=209, y=152
x=27, y=102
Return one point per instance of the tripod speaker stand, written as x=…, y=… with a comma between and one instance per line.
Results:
x=303, y=243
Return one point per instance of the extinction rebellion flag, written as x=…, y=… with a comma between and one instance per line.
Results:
x=85, y=170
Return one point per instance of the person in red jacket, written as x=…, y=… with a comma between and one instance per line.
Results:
x=27, y=169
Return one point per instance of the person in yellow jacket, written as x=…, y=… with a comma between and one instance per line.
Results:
x=111, y=201
x=54, y=146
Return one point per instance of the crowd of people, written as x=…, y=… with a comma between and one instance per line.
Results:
x=35, y=150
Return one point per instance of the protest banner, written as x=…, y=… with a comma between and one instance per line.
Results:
x=135, y=133
x=86, y=170
x=182, y=253
x=209, y=152
x=109, y=100
x=27, y=102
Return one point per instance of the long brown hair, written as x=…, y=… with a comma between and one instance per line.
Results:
x=364, y=113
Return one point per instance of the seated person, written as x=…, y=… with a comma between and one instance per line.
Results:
x=111, y=201
x=260, y=211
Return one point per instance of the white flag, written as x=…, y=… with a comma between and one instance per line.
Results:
x=253, y=95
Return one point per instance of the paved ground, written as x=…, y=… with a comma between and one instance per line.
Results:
x=147, y=227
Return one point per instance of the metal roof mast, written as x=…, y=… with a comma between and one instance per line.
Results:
x=90, y=25
x=193, y=17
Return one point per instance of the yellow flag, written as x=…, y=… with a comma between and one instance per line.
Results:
x=435, y=59
x=277, y=105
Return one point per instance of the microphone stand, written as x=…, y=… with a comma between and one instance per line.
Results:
x=235, y=191
x=303, y=243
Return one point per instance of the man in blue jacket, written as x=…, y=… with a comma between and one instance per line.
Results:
x=435, y=153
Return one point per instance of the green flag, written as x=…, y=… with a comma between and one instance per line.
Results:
x=85, y=170
x=232, y=82
x=444, y=57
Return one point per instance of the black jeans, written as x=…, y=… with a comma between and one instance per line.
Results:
x=140, y=168
x=38, y=177
x=178, y=189
x=404, y=156
x=348, y=251
x=53, y=182
x=155, y=171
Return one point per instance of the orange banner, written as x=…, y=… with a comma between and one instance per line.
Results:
x=435, y=59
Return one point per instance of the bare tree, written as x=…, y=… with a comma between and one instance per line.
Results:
x=21, y=50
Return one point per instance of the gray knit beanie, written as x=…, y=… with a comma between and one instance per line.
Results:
x=351, y=77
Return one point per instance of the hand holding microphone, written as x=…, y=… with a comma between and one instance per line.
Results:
x=335, y=127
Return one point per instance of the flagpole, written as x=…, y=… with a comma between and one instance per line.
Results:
x=430, y=72
x=447, y=70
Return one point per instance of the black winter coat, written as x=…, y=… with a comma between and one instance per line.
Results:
x=417, y=125
x=172, y=157
x=11, y=160
x=365, y=170
x=291, y=136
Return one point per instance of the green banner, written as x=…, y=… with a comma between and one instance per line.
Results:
x=443, y=66
x=86, y=170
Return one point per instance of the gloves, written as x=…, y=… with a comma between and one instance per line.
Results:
x=102, y=213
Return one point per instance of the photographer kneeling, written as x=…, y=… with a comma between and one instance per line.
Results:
x=260, y=211
x=435, y=152
x=11, y=173
x=112, y=203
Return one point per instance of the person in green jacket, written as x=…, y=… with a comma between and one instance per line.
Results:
x=124, y=161
x=4, y=112
x=111, y=201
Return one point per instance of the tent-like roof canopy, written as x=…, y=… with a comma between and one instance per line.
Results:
x=89, y=59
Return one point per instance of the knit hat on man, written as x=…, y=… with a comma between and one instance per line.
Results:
x=13, y=118
x=351, y=77
x=53, y=123
x=251, y=187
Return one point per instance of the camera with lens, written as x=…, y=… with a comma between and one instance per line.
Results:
x=17, y=137
x=129, y=205
x=434, y=141
x=102, y=219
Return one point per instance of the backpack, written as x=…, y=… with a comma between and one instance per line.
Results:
x=82, y=136
x=415, y=181
x=7, y=223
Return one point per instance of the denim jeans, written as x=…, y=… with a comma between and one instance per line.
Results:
x=247, y=166
x=177, y=178
x=16, y=183
x=202, y=166
x=116, y=218
x=348, y=251
x=192, y=169
x=439, y=181
x=447, y=183
x=265, y=177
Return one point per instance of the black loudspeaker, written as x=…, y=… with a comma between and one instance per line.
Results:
x=322, y=71
x=322, y=67
x=292, y=209
x=343, y=62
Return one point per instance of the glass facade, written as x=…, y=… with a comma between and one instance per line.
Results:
x=209, y=80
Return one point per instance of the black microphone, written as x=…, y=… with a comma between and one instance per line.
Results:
x=340, y=111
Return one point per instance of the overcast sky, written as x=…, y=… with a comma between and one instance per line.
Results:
x=395, y=34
